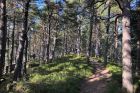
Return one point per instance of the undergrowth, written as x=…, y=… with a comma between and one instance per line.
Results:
x=114, y=86
x=63, y=75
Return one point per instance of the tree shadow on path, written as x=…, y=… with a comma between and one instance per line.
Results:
x=97, y=83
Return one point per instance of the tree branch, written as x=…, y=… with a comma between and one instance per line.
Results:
x=120, y=3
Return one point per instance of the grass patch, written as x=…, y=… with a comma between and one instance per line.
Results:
x=63, y=75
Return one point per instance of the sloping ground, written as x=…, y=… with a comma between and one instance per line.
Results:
x=97, y=83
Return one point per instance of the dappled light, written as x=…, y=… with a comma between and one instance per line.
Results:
x=69, y=46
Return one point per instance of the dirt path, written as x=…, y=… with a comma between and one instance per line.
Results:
x=97, y=83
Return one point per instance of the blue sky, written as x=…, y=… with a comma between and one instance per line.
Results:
x=41, y=4
x=134, y=4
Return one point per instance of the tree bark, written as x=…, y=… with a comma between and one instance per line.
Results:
x=12, y=50
x=43, y=49
x=116, y=40
x=78, y=41
x=54, y=45
x=126, y=50
x=23, y=36
x=138, y=57
x=106, y=40
x=138, y=47
x=97, y=37
x=127, y=79
x=49, y=36
x=90, y=35
x=4, y=38
x=65, y=43
x=26, y=57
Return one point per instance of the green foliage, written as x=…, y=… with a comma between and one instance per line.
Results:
x=114, y=68
x=63, y=75
x=115, y=85
x=97, y=59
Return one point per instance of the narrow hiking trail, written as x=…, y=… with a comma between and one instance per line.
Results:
x=97, y=83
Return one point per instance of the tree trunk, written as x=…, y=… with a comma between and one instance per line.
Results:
x=126, y=50
x=97, y=38
x=138, y=48
x=12, y=50
x=49, y=36
x=20, y=52
x=116, y=41
x=43, y=49
x=106, y=40
x=90, y=35
x=26, y=57
x=138, y=57
x=4, y=38
x=78, y=41
x=54, y=45
x=65, y=43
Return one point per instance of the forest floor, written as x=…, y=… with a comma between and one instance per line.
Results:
x=98, y=82
x=69, y=74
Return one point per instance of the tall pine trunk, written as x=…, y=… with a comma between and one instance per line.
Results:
x=138, y=48
x=4, y=38
x=65, y=52
x=97, y=37
x=126, y=50
x=26, y=57
x=54, y=45
x=138, y=57
x=49, y=36
x=106, y=39
x=20, y=51
x=90, y=35
x=12, y=50
x=78, y=41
